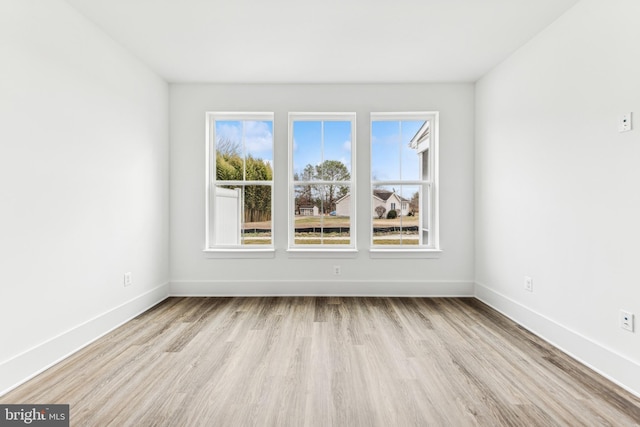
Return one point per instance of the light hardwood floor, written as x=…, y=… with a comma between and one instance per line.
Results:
x=323, y=361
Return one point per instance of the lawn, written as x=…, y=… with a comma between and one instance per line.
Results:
x=343, y=221
x=335, y=221
x=334, y=238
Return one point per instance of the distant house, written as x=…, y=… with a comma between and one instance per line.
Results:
x=309, y=210
x=388, y=199
x=342, y=205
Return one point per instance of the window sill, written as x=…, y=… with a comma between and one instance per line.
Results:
x=322, y=253
x=404, y=253
x=240, y=253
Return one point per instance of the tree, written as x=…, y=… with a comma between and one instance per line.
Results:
x=335, y=171
x=231, y=166
x=392, y=214
x=380, y=210
x=257, y=198
x=304, y=193
x=227, y=146
x=325, y=195
x=414, y=204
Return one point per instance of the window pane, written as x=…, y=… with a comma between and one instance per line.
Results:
x=336, y=230
x=409, y=214
x=315, y=223
x=385, y=150
x=258, y=144
x=410, y=160
x=242, y=215
x=256, y=229
x=307, y=150
x=229, y=150
x=394, y=221
x=392, y=156
x=227, y=216
x=258, y=169
x=308, y=216
x=337, y=151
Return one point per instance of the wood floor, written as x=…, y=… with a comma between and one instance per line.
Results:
x=312, y=361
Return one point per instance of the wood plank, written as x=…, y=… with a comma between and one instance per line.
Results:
x=320, y=361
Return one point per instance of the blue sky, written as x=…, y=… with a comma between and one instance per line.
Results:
x=258, y=136
x=391, y=157
x=309, y=147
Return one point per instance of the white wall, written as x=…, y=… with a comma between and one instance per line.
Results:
x=83, y=185
x=557, y=187
x=193, y=273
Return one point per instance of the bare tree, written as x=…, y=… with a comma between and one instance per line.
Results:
x=228, y=147
x=380, y=210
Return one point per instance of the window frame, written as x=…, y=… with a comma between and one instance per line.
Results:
x=321, y=250
x=234, y=251
x=431, y=184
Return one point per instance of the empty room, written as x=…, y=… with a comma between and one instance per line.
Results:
x=339, y=213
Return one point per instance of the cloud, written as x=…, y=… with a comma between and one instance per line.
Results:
x=257, y=135
x=228, y=132
x=347, y=145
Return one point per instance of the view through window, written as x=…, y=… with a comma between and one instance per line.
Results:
x=321, y=180
x=240, y=180
x=403, y=180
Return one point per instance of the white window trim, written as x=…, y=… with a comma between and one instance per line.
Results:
x=322, y=251
x=221, y=251
x=422, y=251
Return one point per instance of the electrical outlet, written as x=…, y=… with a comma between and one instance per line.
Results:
x=528, y=284
x=624, y=122
x=626, y=320
x=336, y=270
x=128, y=279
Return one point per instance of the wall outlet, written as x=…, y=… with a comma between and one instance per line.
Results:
x=626, y=320
x=336, y=270
x=624, y=122
x=528, y=284
x=128, y=279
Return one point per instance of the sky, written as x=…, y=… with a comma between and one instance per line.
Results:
x=258, y=136
x=391, y=156
x=317, y=141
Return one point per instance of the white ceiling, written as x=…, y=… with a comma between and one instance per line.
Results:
x=318, y=41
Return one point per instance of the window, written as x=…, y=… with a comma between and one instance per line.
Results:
x=321, y=190
x=239, y=198
x=404, y=177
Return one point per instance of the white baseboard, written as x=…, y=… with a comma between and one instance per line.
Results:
x=30, y=363
x=321, y=288
x=605, y=361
